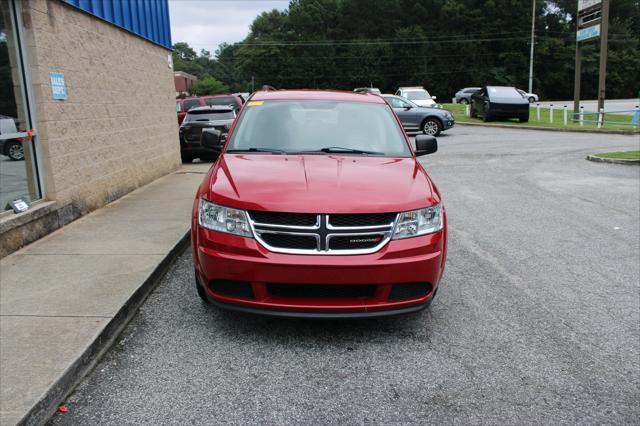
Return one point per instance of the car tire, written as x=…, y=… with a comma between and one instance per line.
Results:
x=14, y=150
x=463, y=101
x=524, y=119
x=472, y=111
x=201, y=292
x=431, y=127
x=532, y=99
x=486, y=117
x=186, y=158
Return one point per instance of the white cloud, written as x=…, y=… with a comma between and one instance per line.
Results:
x=204, y=24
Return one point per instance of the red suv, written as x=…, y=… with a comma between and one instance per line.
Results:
x=318, y=207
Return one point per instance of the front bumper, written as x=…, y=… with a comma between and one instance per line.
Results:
x=233, y=260
x=448, y=123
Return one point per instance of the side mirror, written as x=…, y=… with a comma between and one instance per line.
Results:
x=212, y=139
x=425, y=145
x=434, y=97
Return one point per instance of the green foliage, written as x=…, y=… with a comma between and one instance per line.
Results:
x=442, y=45
x=208, y=85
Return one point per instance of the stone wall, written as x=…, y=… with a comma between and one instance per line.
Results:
x=117, y=130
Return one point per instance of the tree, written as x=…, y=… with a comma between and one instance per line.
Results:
x=208, y=85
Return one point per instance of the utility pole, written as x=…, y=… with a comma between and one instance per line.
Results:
x=576, y=79
x=604, y=38
x=533, y=32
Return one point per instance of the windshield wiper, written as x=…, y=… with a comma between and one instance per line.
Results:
x=339, y=149
x=254, y=149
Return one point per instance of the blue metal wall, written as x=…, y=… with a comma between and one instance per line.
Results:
x=146, y=18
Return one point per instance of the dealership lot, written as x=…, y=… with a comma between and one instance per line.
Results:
x=537, y=319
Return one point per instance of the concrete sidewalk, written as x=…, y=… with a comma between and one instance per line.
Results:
x=64, y=298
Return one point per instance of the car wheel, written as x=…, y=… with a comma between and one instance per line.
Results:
x=14, y=150
x=431, y=127
x=486, y=117
x=186, y=158
x=532, y=99
x=201, y=292
x=472, y=111
x=463, y=101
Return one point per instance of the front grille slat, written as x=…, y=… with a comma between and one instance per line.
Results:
x=357, y=220
x=287, y=219
x=299, y=242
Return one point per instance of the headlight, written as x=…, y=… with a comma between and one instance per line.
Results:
x=223, y=219
x=448, y=115
x=418, y=222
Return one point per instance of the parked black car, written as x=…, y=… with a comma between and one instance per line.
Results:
x=499, y=102
x=414, y=118
x=216, y=117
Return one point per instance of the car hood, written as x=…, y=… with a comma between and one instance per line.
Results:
x=319, y=183
x=431, y=110
x=425, y=103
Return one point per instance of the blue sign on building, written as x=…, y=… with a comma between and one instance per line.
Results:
x=58, y=88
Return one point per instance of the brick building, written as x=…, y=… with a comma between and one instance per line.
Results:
x=184, y=83
x=87, y=93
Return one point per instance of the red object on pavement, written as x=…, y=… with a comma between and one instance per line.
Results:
x=63, y=409
x=330, y=233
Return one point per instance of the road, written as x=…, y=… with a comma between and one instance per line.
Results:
x=537, y=319
x=592, y=105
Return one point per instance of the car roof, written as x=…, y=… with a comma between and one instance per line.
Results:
x=317, y=95
x=227, y=95
x=412, y=88
x=216, y=108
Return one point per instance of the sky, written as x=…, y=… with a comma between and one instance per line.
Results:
x=204, y=24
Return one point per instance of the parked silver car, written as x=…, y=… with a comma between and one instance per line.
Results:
x=531, y=97
x=463, y=96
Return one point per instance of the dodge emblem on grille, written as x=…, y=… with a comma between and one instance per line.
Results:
x=365, y=240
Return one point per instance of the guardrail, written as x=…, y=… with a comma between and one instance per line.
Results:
x=599, y=119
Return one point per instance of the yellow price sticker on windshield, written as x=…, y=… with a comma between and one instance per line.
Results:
x=255, y=103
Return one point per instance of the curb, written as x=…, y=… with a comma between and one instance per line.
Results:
x=42, y=411
x=612, y=160
x=551, y=129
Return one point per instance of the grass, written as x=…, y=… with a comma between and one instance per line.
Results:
x=458, y=111
x=624, y=155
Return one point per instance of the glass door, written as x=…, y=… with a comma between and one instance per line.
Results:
x=19, y=177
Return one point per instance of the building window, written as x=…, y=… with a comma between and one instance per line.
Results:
x=19, y=177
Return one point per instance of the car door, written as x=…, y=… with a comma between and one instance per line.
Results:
x=403, y=111
x=479, y=101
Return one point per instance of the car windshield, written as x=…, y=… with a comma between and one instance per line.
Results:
x=418, y=95
x=209, y=115
x=319, y=127
x=503, y=92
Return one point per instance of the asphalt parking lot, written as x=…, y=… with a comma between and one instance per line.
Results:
x=537, y=319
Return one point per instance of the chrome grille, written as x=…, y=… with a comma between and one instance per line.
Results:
x=303, y=233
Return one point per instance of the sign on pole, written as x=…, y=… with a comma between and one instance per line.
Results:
x=588, y=33
x=586, y=4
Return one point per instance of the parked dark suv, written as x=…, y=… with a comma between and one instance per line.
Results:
x=197, y=119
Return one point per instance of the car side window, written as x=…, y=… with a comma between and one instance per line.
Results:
x=178, y=107
x=403, y=104
x=394, y=102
